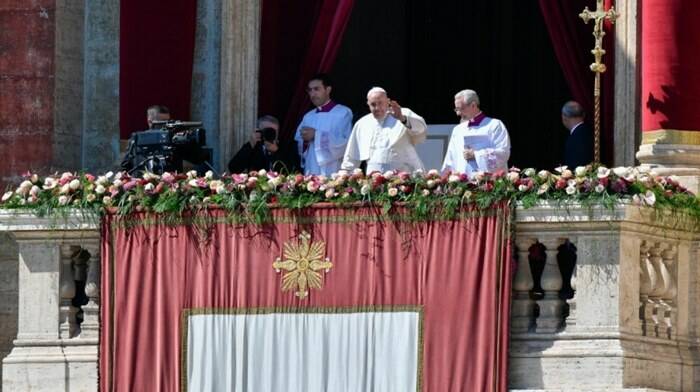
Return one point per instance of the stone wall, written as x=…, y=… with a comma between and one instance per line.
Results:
x=8, y=294
x=27, y=80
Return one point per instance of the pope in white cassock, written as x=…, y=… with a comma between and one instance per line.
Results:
x=386, y=137
x=323, y=132
x=478, y=143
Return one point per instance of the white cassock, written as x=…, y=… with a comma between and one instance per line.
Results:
x=324, y=154
x=386, y=144
x=490, y=142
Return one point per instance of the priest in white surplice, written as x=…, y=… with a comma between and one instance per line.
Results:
x=478, y=143
x=323, y=132
x=386, y=137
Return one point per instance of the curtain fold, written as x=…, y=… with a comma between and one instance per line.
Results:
x=171, y=297
x=573, y=41
x=324, y=23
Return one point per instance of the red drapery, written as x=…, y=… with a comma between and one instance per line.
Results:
x=156, y=53
x=458, y=272
x=323, y=23
x=573, y=40
x=670, y=62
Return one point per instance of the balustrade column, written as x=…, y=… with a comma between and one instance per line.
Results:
x=551, y=306
x=657, y=289
x=69, y=324
x=90, y=327
x=523, y=307
x=668, y=297
x=647, y=280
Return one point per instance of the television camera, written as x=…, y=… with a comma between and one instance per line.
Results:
x=167, y=145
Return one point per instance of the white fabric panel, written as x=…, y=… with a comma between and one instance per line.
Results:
x=307, y=352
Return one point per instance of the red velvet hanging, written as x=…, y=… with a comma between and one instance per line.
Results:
x=155, y=59
x=670, y=63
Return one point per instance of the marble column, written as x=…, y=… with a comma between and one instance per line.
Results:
x=670, y=86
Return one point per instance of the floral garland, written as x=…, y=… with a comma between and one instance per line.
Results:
x=429, y=195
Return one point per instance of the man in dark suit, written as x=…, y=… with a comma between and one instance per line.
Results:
x=578, y=150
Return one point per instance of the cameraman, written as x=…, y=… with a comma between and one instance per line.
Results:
x=153, y=113
x=266, y=151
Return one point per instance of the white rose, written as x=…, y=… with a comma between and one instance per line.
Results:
x=364, y=190
x=99, y=189
x=542, y=189
x=35, y=190
x=522, y=187
x=430, y=184
x=192, y=174
x=206, y=200
x=209, y=175
x=7, y=196
x=64, y=189
x=433, y=172
x=50, y=183
x=425, y=192
x=75, y=184
x=91, y=197
x=330, y=193
x=621, y=171
x=34, y=178
x=513, y=176
x=117, y=183
x=649, y=198
x=393, y=192
x=63, y=200
x=109, y=175
x=566, y=174
x=193, y=183
x=389, y=174
x=453, y=178
x=570, y=190
x=25, y=186
x=529, y=172
x=478, y=175
x=220, y=190
x=560, y=169
x=107, y=200
x=603, y=172
x=148, y=187
x=31, y=199
x=599, y=188
x=357, y=172
x=66, y=175
x=581, y=171
x=543, y=174
x=572, y=183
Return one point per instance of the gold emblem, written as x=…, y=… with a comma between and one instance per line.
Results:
x=303, y=261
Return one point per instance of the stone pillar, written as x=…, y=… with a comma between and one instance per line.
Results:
x=670, y=85
x=206, y=73
x=100, y=136
x=240, y=58
x=627, y=83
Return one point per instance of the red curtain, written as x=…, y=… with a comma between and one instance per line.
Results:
x=459, y=272
x=573, y=41
x=155, y=59
x=670, y=94
x=287, y=64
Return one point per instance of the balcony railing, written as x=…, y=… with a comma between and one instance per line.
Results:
x=625, y=312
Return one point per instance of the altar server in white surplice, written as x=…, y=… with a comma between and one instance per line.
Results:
x=323, y=132
x=386, y=137
x=478, y=143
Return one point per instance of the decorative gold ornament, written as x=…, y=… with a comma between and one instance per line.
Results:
x=303, y=261
x=598, y=17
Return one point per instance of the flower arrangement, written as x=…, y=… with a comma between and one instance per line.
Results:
x=427, y=195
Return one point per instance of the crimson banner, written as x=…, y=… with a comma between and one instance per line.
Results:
x=327, y=299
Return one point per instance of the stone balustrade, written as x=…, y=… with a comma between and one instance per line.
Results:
x=633, y=322
x=57, y=321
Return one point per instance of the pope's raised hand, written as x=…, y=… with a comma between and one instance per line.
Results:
x=395, y=110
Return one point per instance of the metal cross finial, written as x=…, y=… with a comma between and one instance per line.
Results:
x=598, y=17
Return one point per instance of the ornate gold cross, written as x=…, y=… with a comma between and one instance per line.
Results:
x=598, y=17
